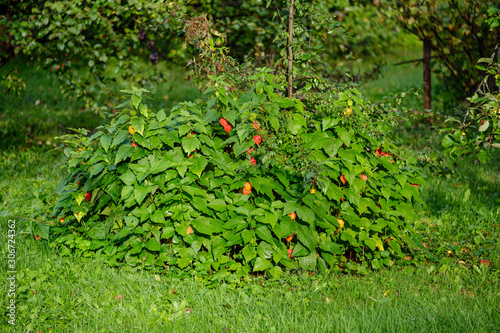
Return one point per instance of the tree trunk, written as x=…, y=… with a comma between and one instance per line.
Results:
x=427, y=74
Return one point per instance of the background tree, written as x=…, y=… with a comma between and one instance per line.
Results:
x=457, y=33
x=89, y=44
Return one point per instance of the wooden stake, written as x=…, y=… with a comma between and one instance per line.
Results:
x=290, y=49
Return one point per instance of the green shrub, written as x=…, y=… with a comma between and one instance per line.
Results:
x=245, y=181
x=169, y=190
x=479, y=130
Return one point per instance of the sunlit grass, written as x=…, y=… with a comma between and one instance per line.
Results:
x=443, y=289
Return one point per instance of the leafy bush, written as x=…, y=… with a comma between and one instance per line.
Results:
x=152, y=189
x=246, y=181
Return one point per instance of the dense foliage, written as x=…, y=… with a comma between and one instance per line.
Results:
x=479, y=128
x=89, y=45
x=92, y=45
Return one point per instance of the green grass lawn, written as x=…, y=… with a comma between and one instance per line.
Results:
x=442, y=289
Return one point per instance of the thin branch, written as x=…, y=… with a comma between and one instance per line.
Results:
x=310, y=37
x=168, y=16
x=25, y=218
x=278, y=11
x=438, y=56
x=290, y=49
x=310, y=34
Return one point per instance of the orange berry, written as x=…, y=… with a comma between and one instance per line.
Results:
x=257, y=139
x=223, y=122
x=485, y=262
x=246, y=192
x=289, y=238
x=292, y=215
x=189, y=230
x=248, y=186
x=342, y=179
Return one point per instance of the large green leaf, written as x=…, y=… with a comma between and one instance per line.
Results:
x=249, y=252
x=136, y=100
x=276, y=272
x=290, y=207
x=153, y=245
x=119, y=138
x=308, y=262
x=264, y=234
x=106, y=141
x=42, y=230
x=265, y=250
x=306, y=214
x=123, y=152
x=123, y=233
x=141, y=192
x=306, y=237
x=138, y=124
x=158, y=216
x=198, y=165
x=202, y=225
x=159, y=166
x=128, y=178
x=261, y=264
x=190, y=144
x=247, y=235
x=218, y=205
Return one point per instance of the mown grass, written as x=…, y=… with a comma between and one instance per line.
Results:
x=444, y=288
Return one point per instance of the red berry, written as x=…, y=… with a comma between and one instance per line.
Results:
x=253, y=161
x=257, y=139
x=223, y=122
x=364, y=177
x=88, y=196
x=290, y=251
x=227, y=128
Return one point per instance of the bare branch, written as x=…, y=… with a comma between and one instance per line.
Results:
x=278, y=11
x=168, y=16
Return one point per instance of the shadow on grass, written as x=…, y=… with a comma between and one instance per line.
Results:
x=469, y=186
x=42, y=112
